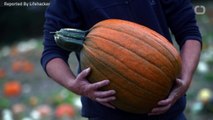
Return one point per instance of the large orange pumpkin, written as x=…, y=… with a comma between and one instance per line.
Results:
x=140, y=63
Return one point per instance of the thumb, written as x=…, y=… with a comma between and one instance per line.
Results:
x=179, y=82
x=83, y=74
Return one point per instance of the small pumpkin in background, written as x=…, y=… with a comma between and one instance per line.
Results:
x=28, y=66
x=2, y=73
x=18, y=110
x=64, y=111
x=16, y=66
x=45, y=111
x=12, y=88
x=23, y=66
x=33, y=101
x=140, y=63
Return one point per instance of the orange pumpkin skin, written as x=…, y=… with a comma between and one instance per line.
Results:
x=12, y=88
x=140, y=63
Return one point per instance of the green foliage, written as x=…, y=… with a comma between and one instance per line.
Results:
x=63, y=96
x=209, y=77
x=4, y=103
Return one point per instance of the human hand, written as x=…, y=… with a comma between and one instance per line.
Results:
x=82, y=87
x=164, y=105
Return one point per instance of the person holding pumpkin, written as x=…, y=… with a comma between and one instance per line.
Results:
x=159, y=15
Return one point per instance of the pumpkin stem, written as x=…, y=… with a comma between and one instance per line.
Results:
x=70, y=39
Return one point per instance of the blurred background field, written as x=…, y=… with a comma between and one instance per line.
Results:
x=26, y=93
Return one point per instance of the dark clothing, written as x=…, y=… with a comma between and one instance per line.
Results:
x=159, y=15
x=175, y=113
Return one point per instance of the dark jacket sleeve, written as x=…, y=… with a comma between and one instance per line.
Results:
x=60, y=14
x=180, y=17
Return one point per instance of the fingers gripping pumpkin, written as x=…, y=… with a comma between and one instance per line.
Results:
x=140, y=63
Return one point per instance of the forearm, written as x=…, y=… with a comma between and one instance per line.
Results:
x=59, y=71
x=190, y=54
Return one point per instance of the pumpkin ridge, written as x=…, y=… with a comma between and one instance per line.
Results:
x=148, y=91
x=122, y=101
x=145, y=101
x=137, y=56
x=173, y=53
x=171, y=50
x=152, y=100
x=138, y=74
x=141, y=28
x=148, y=44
